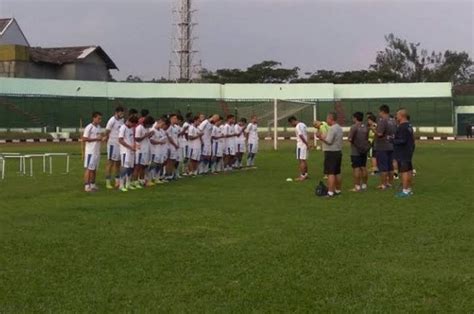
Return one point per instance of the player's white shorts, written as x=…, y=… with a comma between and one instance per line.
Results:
x=230, y=150
x=240, y=147
x=142, y=158
x=206, y=149
x=159, y=156
x=301, y=153
x=113, y=151
x=252, y=148
x=91, y=161
x=172, y=152
x=218, y=149
x=127, y=160
x=195, y=154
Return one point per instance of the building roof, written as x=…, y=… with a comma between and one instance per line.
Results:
x=4, y=23
x=63, y=55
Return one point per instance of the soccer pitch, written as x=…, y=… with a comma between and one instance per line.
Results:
x=242, y=242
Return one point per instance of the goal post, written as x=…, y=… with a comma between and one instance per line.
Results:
x=273, y=116
x=275, y=124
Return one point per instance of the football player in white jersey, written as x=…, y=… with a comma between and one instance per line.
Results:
x=205, y=128
x=251, y=133
x=159, y=149
x=195, y=144
x=183, y=142
x=92, y=137
x=142, y=156
x=239, y=142
x=302, y=146
x=173, y=146
x=217, y=146
x=113, y=148
x=229, y=135
x=127, y=152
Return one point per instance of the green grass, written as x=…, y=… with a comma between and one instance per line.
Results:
x=244, y=242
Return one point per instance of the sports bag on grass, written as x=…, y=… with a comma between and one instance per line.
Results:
x=321, y=189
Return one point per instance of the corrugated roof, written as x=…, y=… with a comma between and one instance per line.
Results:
x=63, y=55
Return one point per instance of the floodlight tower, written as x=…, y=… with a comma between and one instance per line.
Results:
x=183, y=67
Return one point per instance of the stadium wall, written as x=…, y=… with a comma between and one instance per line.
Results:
x=30, y=103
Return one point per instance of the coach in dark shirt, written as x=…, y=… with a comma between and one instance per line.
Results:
x=384, y=147
x=404, y=146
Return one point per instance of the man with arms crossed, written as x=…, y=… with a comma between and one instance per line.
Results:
x=302, y=146
x=404, y=146
x=384, y=147
x=359, y=139
x=113, y=148
x=92, y=137
x=332, y=148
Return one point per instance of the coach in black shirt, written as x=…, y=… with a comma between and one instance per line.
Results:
x=404, y=146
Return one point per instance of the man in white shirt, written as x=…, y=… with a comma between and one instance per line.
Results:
x=205, y=128
x=173, y=146
x=217, y=146
x=251, y=133
x=92, y=137
x=183, y=142
x=302, y=146
x=113, y=148
x=159, y=149
x=127, y=153
x=239, y=142
x=229, y=135
x=195, y=145
x=142, y=156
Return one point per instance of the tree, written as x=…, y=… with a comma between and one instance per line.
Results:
x=402, y=61
x=264, y=72
x=133, y=79
x=455, y=67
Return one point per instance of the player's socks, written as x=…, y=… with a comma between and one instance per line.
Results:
x=87, y=187
x=108, y=184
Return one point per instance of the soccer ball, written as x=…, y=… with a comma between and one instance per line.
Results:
x=289, y=180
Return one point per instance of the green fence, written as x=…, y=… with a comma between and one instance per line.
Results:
x=67, y=112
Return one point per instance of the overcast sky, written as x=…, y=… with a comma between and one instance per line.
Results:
x=311, y=34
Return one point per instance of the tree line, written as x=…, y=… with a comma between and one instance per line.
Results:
x=400, y=62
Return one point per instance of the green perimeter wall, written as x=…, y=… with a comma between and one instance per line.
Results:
x=26, y=103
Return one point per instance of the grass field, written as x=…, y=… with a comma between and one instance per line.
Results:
x=243, y=242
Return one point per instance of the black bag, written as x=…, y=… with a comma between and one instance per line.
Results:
x=321, y=189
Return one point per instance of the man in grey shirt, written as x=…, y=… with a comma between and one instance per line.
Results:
x=384, y=148
x=359, y=138
x=332, y=147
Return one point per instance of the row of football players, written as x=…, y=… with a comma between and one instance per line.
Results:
x=143, y=152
